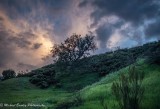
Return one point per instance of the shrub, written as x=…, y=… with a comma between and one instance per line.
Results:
x=129, y=90
x=43, y=84
x=154, y=55
x=44, y=79
x=7, y=74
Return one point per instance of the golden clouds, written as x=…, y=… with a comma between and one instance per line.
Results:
x=27, y=43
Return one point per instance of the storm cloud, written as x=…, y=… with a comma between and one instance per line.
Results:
x=153, y=30
x=134, y=13
x=29, y=28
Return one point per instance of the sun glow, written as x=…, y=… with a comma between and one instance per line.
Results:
x=46, y=46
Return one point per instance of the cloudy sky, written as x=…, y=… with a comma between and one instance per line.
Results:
x=29, y=28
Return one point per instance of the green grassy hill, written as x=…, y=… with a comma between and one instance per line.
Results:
x=103, y=88
x=87, y=80
x=19, y=90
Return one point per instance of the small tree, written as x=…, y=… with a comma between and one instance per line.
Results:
x=7, y=74
x=73, y=48
x=129, y=91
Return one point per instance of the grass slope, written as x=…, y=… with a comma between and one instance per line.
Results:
x=76, y=75
x=19, y=90
x=103, y=88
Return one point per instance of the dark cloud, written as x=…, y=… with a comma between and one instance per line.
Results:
x=27, y=35
x=105, y=31
x=1, y=18
x=25, y=22
x=37, y=45
x=20, y=42
x=83, y=3
x=103, y=34
x=153, y=29
x=62, y=24
x=23, y=7
x=56, y=12
x=27, y=25
x=9, y=41
x=6, y=49
x=134, y=11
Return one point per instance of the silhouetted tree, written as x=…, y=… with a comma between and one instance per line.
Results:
x=73, y=48
x=7, y=74
x=129, y=91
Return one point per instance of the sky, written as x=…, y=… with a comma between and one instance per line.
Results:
x=30, y=28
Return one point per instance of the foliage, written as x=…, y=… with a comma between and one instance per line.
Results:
x=129, y=90
x=78, y=99
x=73, y=48
x=153, y=54
x=74, y=102
x=44, y=79
x=26, y=92
x=102, y=101
x=78, y=74
x=7, y=74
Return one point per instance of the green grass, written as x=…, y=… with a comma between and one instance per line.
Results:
x=103, y=88
x=19, y=90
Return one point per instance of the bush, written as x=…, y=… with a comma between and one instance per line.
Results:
x=154, y=55
x=44, y=79
x=129, y=90
x=43, y=84
x=7, y=74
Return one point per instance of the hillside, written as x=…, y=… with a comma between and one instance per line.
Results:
x=103, y=87
x=19, y=90
x=76, y=75
x=86, y=80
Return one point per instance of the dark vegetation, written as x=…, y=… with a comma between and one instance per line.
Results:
x=78, y=72
x=129, y=90
x=75, y=101
x=7, y=74
x=73, y=48
x=109, y=93
x=102, y=99
x=44, y=78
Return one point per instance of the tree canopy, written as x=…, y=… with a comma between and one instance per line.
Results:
x=7, y=74
x=73, y=48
